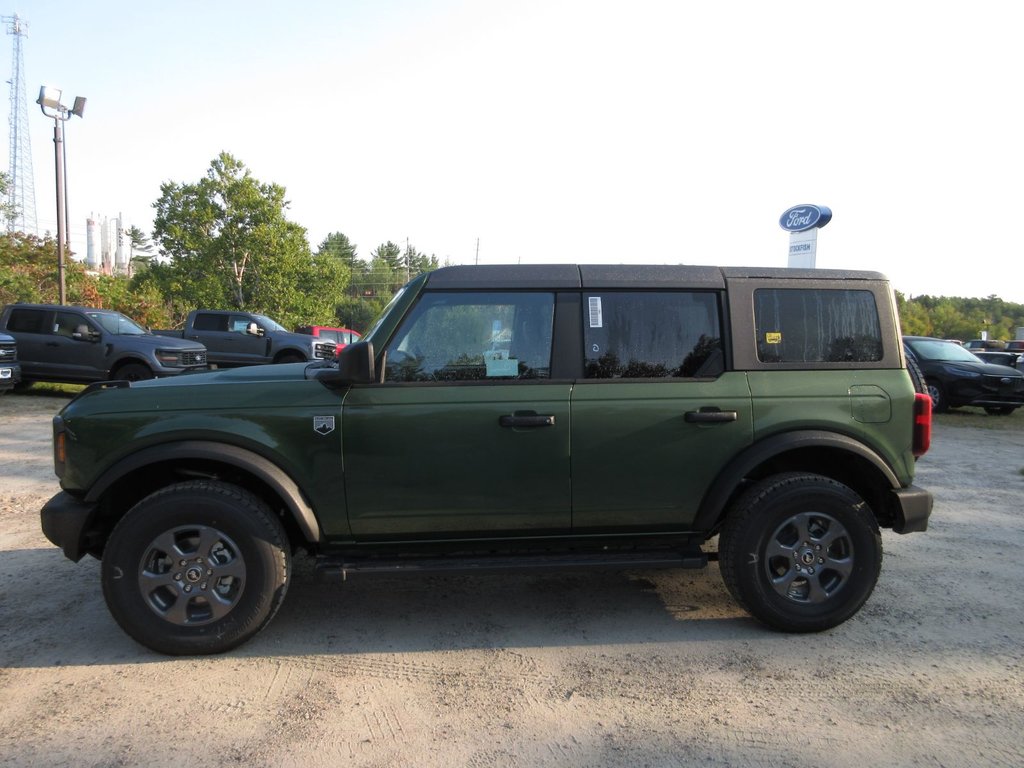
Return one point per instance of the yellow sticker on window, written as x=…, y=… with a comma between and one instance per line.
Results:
x=773, y=338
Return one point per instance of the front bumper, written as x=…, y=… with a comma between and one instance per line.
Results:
x=10, y=374
x=67, y=522
x=913, y=508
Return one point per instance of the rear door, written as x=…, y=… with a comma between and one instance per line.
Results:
x=657, y=415
x=31, y=328
x=468, y=435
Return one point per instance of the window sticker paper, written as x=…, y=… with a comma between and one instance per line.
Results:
x=596, y=318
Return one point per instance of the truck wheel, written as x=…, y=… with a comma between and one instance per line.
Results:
x=197, y=567
x=800, y=552
x=290, y=357
x=133, y=372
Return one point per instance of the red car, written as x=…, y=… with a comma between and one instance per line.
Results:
x=340, y=336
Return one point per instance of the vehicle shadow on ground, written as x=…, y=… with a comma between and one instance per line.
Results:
x=55, y=615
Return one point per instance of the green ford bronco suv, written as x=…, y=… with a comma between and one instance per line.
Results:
x=511, y=417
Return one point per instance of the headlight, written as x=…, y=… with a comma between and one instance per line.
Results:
x=964, y=373
x=168, y=358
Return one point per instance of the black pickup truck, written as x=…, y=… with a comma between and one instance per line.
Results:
x=234, y=338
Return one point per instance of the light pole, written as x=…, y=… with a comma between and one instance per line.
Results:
x=49, y=98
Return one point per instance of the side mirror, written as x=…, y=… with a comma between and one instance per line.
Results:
x=254, y=330
x=355, y=366
x=85, y=333
x=355, y=363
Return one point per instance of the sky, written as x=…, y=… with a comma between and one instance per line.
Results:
x=560, y=131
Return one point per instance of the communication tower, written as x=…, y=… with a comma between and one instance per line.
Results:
x=21, y=193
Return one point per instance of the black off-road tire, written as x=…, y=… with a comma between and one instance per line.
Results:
x=800, y=552
x=916, y=376
x=196, y=568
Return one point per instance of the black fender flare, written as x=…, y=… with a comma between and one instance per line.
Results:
x=724, y=485
x=242, y=458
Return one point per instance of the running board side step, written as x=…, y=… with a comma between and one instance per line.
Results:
x=334, y=568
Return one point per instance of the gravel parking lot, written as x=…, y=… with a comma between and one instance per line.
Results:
x=592, y=669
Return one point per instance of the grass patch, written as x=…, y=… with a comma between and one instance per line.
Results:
x=47, y=389
x=977, y=418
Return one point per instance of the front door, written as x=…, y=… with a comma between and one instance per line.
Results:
x=467, y=436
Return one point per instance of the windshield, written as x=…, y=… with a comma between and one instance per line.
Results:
x=116, y=323
x=945, y=351
x=384, y=313
x=268, y=324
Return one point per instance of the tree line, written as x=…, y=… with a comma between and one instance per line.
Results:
x=224, y=241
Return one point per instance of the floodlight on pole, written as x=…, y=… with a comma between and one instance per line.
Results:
x=50, y=99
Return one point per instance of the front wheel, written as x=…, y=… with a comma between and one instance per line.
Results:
x=133, y=372
x=197, y=567
x=800, y=552
x=1000, y=410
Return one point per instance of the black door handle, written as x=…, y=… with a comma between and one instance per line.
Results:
x=710, y=416
x=526, y=419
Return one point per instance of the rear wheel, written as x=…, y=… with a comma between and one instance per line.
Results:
x=800, y=552
x=938, y=396
x=198, y=567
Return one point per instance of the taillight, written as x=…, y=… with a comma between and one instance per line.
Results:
x=60, y=455
x=922, y=424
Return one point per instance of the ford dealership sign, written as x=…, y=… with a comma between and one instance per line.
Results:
x=801, y=218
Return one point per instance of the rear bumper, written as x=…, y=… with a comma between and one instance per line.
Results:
x=913, y=507
x=66, y=521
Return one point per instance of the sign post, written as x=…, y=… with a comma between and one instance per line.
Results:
x=803, y=222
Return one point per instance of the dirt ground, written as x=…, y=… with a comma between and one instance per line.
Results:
x=597, y=669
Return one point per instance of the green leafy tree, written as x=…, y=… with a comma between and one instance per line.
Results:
x=340, y=247
x=28, y=272
x=140, y=249
x=230, y=245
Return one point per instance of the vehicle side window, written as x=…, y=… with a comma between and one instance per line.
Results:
x=209, y=322
x=239, y=323
x=664, y=334
x=69, y=323
x=473, y=337
x=799, y=325
x=27, y=320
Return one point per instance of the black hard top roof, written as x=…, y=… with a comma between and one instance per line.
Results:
x=568, y=276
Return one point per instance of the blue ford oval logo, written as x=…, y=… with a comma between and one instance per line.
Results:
x=800, y=218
